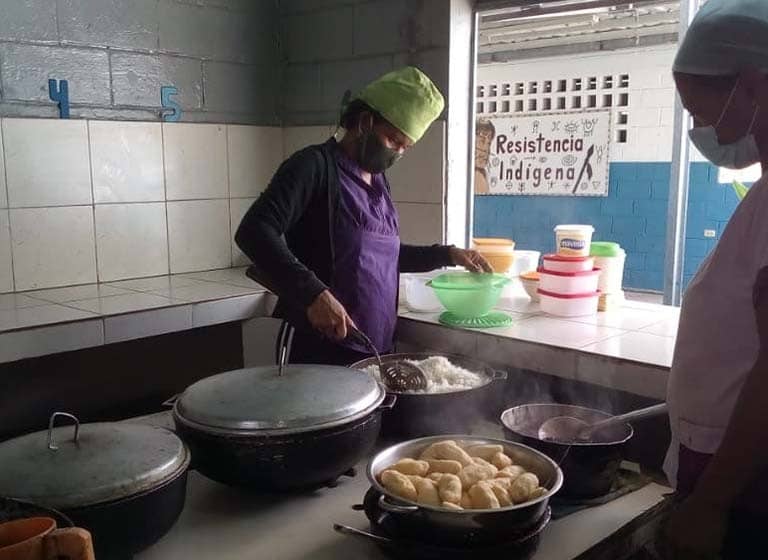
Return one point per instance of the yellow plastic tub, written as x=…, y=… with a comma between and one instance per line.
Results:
x=500, y=253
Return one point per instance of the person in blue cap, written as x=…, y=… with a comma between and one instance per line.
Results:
x=718, y=385
x=325, y=237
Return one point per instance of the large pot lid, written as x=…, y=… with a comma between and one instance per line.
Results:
x=75, y=466
x=303, y=398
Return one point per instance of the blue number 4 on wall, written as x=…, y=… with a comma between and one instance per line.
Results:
x=169, y=104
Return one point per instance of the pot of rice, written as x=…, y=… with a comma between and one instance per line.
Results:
x=460, y=393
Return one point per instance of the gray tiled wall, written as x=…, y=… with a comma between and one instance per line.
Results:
x=222, y=55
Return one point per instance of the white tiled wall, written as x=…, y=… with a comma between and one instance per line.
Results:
x=255, y=153
x=195, y=161
x=86, y=201
x=126, y=161
x=6, y=269
x=110, y=200
x=131, y=240
x=46, y=162
x=53, y=246
x=199, y=235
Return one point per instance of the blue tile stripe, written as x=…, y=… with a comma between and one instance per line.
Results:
x=634, y=214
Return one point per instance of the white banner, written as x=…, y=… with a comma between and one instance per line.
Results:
x=563, y=154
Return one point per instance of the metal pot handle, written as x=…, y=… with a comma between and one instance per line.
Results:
x=285, y=342
x=499, y=375
x=389, y=402
x=52, y=444
x=392, y=508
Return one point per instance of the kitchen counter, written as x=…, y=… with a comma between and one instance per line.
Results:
x=42, y=322
x=223, y=523
x=629, y=349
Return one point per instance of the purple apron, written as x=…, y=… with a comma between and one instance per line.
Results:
x=367, y=250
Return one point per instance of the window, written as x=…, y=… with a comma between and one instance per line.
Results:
x=546, y=104
x=576, y=102
x=531, y=104
x=519, y=106
x=592, y=83
x=608, y=100
x=481, y=91
x=519, y=88
x=562, y=85
x=623, y=117
x=624, y=100
x=492, y=107
x=505, y=106
x=505, y=89
x=576, y=84
x=621, y=136
x=479, y=108
x=592, y=101
x=548, y=86
x=607, y=82
x=492, y=91
x=624, y=81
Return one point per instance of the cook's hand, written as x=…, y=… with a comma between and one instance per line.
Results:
x=328, y=316
x=694, y=531
x=469, y=259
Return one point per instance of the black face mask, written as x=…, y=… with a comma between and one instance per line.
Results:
x=373, y=155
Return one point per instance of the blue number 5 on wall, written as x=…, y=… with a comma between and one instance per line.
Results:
x=59, y=92
x=175, y=109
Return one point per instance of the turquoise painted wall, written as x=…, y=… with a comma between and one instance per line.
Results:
x=634, y=214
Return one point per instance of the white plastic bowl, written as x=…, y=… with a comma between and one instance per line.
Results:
x=525, y=261
x=574, y=305
x=531, y=288
x=559, y=263
x=566, y=283
x=419, y=297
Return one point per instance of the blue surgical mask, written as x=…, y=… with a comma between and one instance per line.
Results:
x=737, y=155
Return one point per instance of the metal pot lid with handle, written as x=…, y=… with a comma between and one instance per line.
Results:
x=274, y=400
x=76, y=466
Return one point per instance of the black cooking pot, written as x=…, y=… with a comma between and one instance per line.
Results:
x=590, y=469
x=280, y=428
x=125, y=483
x=425, y=414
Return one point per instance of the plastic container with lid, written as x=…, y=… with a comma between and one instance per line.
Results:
x=609, y=258
x=574, y=240
x=569, y=282
x=559, y=263
x=573, y=305
x=500, y=253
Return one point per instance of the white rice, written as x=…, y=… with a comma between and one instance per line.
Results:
x=442, y=376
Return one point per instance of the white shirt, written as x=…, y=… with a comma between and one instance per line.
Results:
x=717, y=340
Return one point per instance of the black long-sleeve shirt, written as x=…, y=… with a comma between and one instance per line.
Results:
x=288, y=233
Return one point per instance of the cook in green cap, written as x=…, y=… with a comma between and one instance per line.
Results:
x=325, y=237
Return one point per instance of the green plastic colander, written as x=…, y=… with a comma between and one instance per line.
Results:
x=469, y=295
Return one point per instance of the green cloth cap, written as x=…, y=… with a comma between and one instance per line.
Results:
x=407, y=98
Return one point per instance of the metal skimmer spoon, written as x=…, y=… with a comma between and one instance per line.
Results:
x=567, y=429
x=397, y=375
